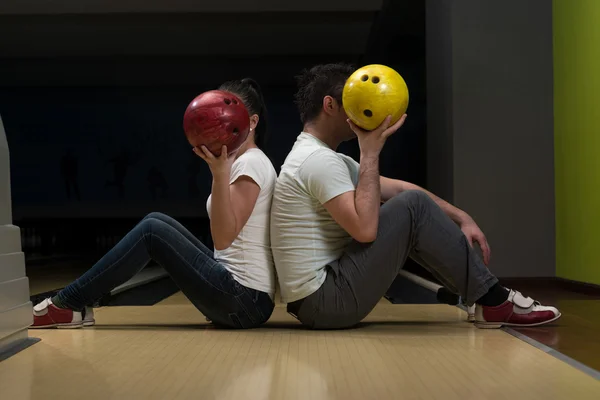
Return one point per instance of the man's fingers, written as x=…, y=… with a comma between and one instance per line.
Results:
x=385, y=125
x=383, y=128
x=394, y=128
x=485, y=249
x=400, y=122
x=470, y=240
x=355, y=128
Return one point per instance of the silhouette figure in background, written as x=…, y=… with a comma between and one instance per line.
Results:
x=157, y=181
x=69, y=169
x=193, y=168
x=121, y=164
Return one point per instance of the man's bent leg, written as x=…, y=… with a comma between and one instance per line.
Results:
x=411, y=224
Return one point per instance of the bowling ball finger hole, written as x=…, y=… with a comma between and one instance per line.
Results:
x=236, y=131
x=368, y=113
x=235, y=101
x=375, y=79
x=227, y=101
x=364, y=78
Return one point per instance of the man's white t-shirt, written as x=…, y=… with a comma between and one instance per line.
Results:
x=304, y=236
x=249, y=258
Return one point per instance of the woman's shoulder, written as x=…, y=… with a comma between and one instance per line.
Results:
x=256, y=164
x=255, y=157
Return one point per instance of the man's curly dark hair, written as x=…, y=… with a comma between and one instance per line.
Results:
x=318, y=82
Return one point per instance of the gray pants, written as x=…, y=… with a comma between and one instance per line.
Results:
x=410, y=225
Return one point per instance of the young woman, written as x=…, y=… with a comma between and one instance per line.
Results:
x=232, y=286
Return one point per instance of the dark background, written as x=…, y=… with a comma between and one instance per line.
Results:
x=92, y=105
x=480, y=135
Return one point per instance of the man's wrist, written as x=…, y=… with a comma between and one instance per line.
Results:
x=461, y=217
x=369, y=156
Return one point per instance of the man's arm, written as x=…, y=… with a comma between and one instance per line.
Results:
x=393, y=187
x=358, y=211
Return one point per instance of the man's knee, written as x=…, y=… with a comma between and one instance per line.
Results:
x=412, y=198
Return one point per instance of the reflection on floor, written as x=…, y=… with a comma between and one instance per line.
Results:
x=576, y=333
x=168, y=351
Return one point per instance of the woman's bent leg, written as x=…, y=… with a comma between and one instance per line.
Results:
x=209, y=286
x=181, y=229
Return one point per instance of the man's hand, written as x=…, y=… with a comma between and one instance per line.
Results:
x=475, y=235
x=371, y=142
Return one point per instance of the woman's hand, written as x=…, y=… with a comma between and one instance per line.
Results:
x=219, y=166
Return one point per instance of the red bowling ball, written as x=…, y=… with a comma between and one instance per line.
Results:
x=216, y=118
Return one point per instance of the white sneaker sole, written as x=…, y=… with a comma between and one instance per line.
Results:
x=470, y=314
x=496, y=325
x=89, y=323
x=73, y=325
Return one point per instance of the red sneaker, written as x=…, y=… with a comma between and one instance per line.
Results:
x=47, y=315
x=516, y=311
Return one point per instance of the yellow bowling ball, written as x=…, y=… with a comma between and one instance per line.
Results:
x=372, y=93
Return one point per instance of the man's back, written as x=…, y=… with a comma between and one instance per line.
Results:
x=304, y=236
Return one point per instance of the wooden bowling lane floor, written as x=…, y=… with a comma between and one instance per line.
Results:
x=168, y=351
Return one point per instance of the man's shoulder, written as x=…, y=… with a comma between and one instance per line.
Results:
x=303, y=153
x=346, y=158
x=352, y=164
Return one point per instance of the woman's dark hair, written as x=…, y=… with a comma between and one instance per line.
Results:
x=248, y=90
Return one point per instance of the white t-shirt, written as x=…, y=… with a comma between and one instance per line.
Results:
x=304, y=236
x=249, y=258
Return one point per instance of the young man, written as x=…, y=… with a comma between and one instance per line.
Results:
x=337, y=250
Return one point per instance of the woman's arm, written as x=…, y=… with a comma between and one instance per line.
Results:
x=231, y=207
x=231, y=203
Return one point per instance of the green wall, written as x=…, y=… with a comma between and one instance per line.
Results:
x=577, y=138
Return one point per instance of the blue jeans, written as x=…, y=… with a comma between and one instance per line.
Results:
x=208, y=285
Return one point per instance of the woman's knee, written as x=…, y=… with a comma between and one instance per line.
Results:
x=154, y=215
x=150, y=225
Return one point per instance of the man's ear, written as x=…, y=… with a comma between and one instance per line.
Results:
x=330, y=106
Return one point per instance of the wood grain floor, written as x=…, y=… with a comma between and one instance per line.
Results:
x=168, y=351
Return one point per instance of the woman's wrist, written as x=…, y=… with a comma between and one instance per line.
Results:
x=221, y=175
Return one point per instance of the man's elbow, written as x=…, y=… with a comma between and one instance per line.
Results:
x=365, y=235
